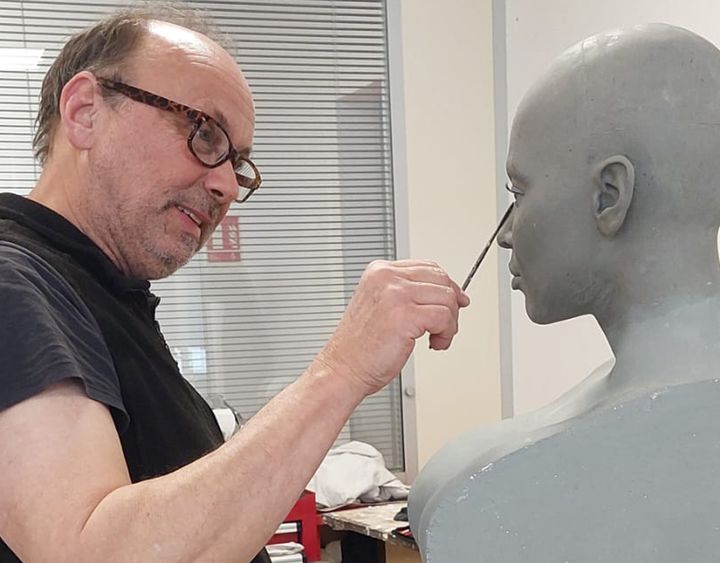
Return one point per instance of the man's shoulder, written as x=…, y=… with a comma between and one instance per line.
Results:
x=19, y=264
x=13, y=252
x=28, y=278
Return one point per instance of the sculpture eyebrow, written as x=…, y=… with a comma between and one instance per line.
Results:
x=515, y=176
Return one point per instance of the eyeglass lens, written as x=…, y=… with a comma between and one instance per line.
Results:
x=211, y=145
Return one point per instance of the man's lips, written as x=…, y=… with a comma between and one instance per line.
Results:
x=195, y=216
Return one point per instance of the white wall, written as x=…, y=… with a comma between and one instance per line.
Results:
x=441, y=66
x=548, y=360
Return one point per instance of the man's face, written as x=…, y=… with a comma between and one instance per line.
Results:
x=143, y=177
x=551, y=231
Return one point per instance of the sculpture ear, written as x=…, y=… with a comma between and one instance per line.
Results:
x=615, y=185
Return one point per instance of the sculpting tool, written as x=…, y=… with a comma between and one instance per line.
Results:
x=487, y=248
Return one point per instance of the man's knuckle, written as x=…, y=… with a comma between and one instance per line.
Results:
x=394, y=292
x=373, y=267
x=446, y=298
x=379, y=271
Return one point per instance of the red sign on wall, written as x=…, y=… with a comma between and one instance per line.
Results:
x=224, y=244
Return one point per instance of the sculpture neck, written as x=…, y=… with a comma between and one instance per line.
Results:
x=672, y=343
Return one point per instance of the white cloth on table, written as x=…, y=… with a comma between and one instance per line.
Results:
x=355, y=472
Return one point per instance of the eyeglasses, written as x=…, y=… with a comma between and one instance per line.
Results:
x=207, y=141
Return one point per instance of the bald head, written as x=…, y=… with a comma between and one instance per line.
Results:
x=168, y=52
x=651, y=93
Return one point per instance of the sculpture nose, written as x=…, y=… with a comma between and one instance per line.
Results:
x=505, y=235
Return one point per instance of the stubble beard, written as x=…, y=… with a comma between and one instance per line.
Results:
x=136, y=232
x=140, y=243
x=165, y=263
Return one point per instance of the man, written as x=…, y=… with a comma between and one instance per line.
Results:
x=613, y=165
x=106, y=453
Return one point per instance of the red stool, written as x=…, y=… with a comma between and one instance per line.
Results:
x=308, y=520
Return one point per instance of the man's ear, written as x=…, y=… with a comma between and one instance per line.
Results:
x=614, y=180
x=78, y=108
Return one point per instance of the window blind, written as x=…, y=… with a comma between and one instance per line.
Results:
x=251, y=310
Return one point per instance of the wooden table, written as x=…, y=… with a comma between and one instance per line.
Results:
x=376, y=521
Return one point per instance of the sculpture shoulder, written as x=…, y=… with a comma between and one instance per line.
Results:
x=643, y=472
x=474, y=452
x=479, y=448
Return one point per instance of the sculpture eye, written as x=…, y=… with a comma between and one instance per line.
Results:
x=517, y=194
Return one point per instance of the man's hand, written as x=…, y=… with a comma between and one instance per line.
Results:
x=394, y=304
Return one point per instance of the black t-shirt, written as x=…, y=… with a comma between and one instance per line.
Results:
x=66, y=311
x=48, y=334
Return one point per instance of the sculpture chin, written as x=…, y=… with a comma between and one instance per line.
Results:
x=544, y=315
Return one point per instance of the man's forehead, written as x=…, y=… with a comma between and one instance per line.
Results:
x=178, y=36
x=210, y=78
x=168, y=49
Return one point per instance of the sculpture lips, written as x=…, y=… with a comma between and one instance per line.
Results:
x=515, y=283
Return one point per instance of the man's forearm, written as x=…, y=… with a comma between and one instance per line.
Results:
x=225, y=506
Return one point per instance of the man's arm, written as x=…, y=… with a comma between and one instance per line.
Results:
x=66, y=495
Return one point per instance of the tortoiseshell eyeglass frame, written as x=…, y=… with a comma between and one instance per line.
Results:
x=197, y=117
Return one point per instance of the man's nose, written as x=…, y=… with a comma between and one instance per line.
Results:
x=505, y=235
x=222, y=184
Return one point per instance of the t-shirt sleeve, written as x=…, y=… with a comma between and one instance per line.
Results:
x=47, y=334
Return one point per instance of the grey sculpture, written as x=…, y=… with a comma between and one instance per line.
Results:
x=615, y=162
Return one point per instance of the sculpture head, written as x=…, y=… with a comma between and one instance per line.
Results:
x=615, y=161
